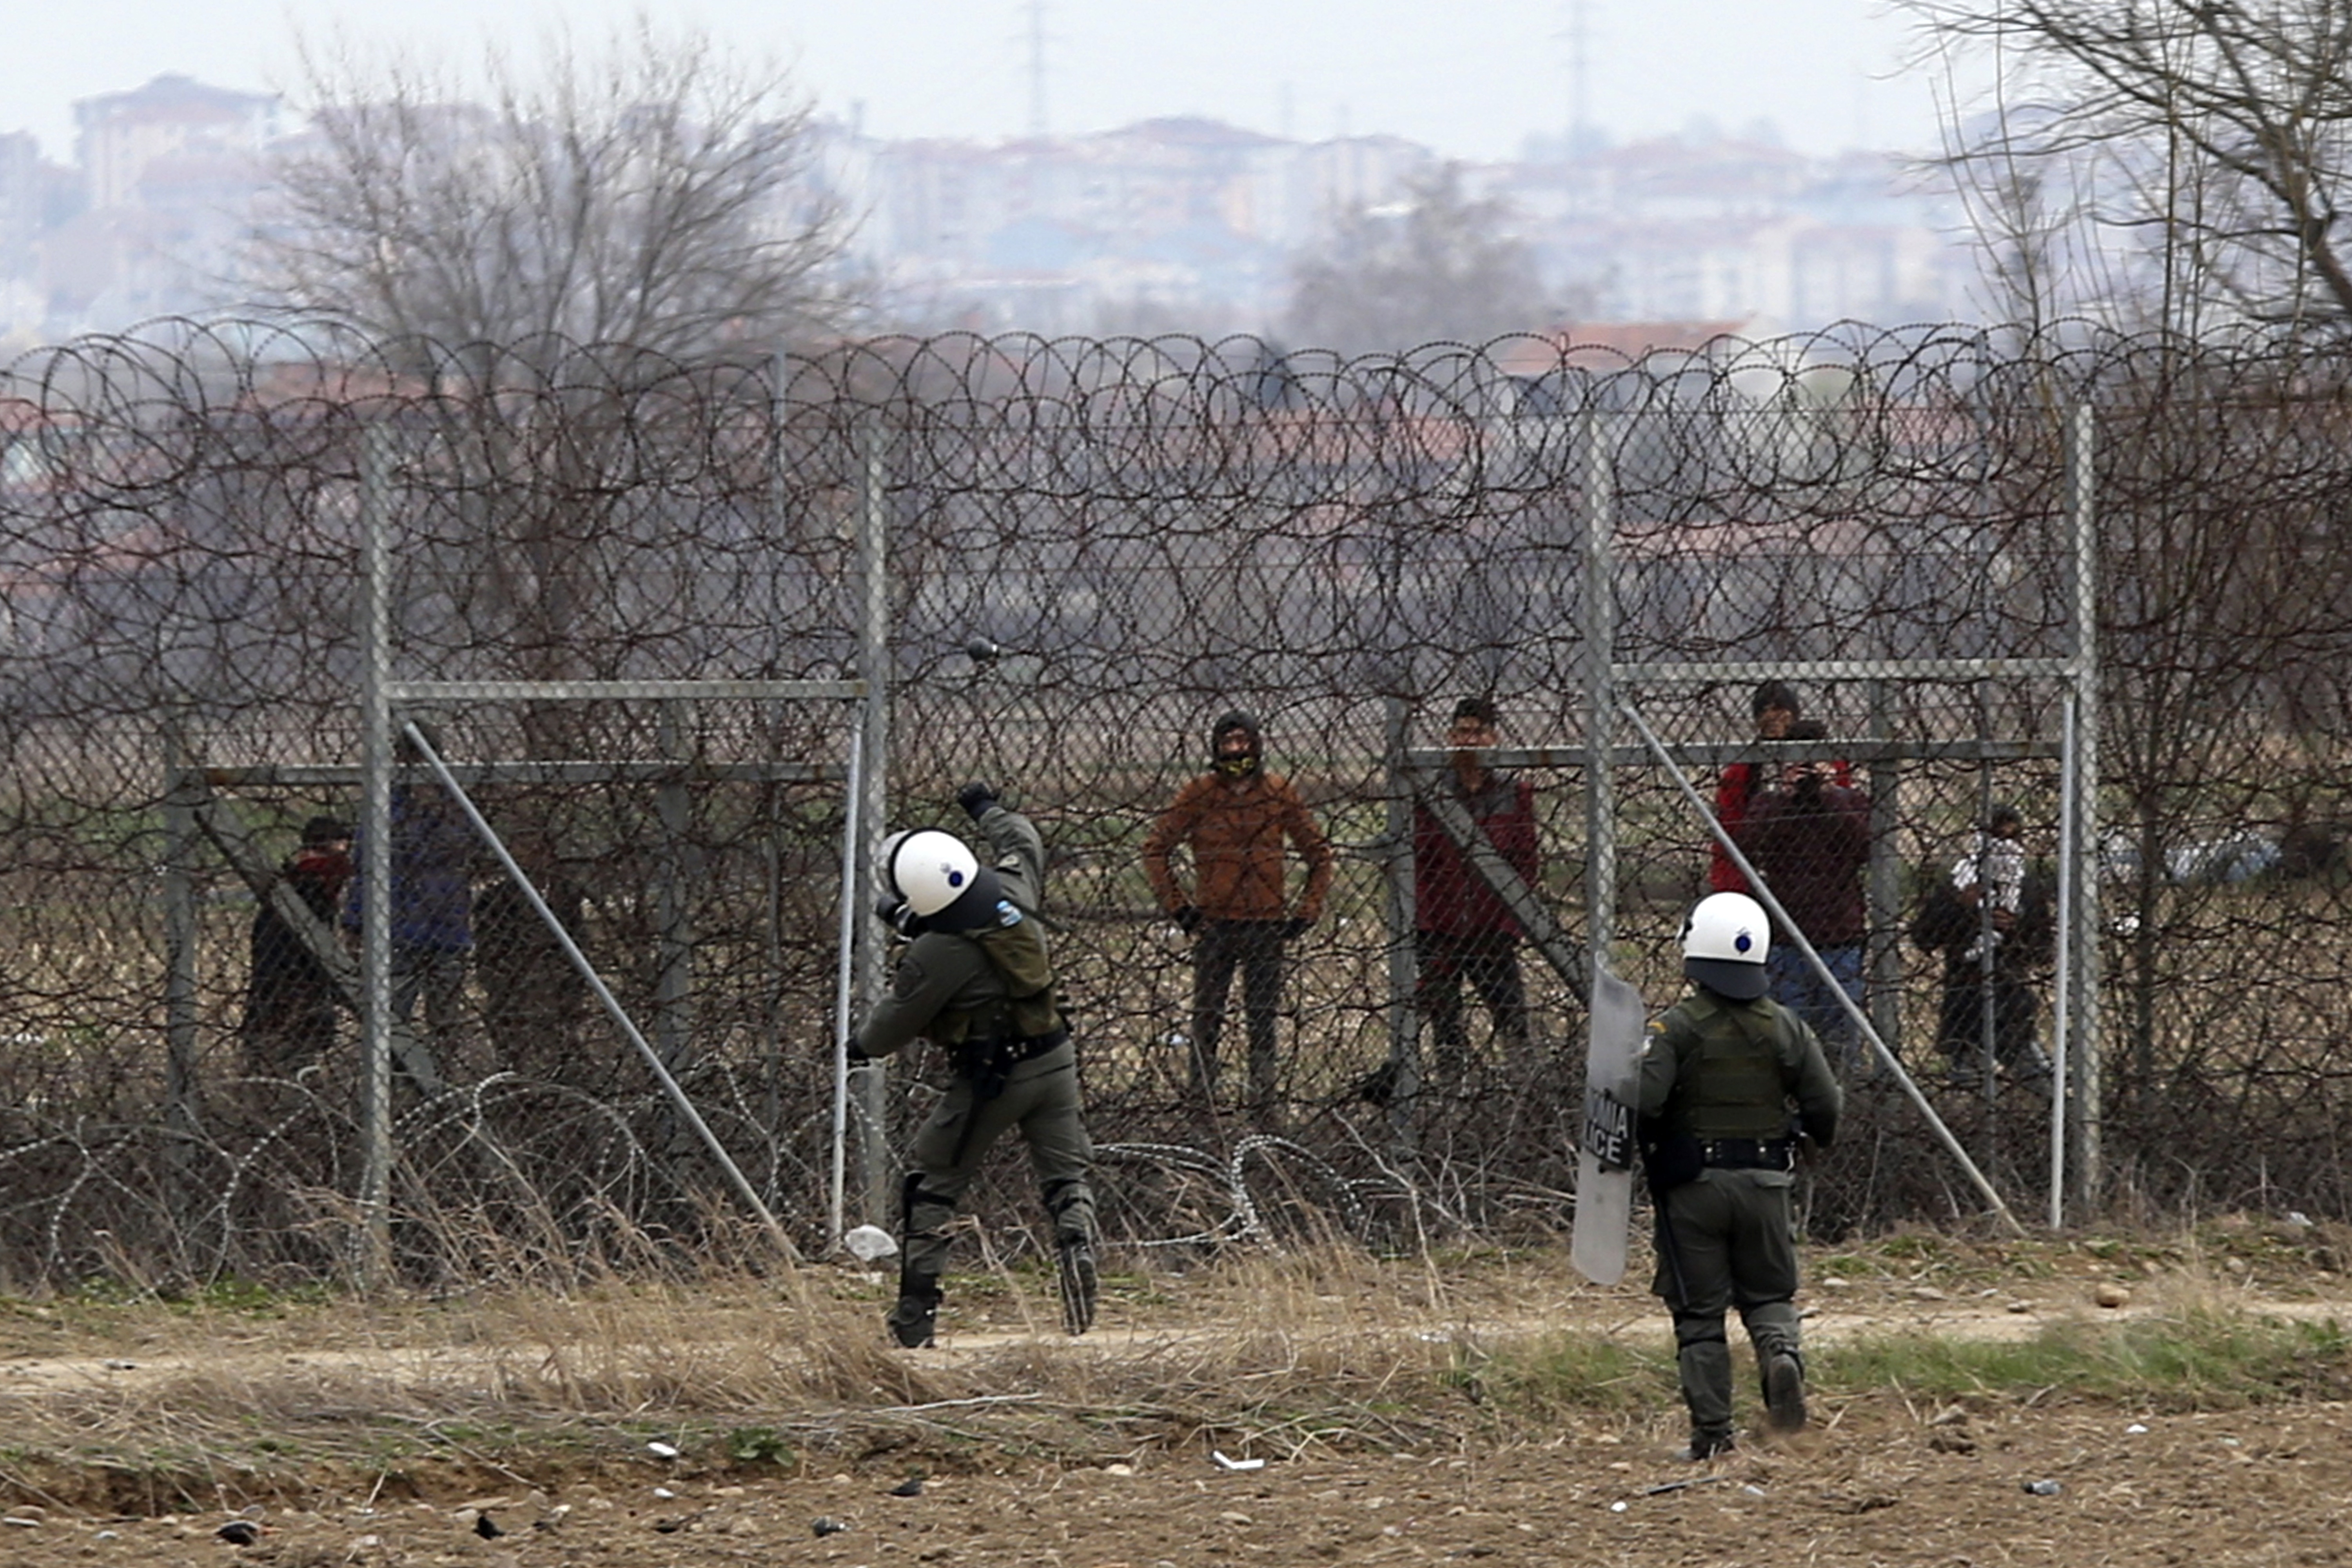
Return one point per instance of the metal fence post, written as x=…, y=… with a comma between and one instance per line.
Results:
x=1597, y=489
x=871, y=1081
x=180, y=1076
x=2082, y=873
x=375, y=1242
x=1403, y=966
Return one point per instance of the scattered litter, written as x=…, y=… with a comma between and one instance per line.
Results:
x=661, y=1450
x=1118, y=1469
x=2135, y=1428
x=1663, y=1487
x=107, y=1535
x=22, y=1523
x=825, y=1527
x=868, y=1243
x=911, y=1487
x=664, y=1493
x=2297, y=1219
x=1616, y=1507
x=239, y=1532
x=123, y=1366
x=2045, y=1488
x=1225, y=1463
x=1751, y=1489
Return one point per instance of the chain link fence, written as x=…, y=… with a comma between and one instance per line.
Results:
x=1092, y=551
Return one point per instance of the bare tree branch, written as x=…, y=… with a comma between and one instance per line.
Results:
x=651, y=192
x=1437, y=266
x=2218, y=130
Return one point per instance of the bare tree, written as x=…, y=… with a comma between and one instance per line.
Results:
x=2217, y=134
x=653, y=192
x=1437, y=266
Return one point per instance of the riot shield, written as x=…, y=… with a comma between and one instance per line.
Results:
x=1604, y=1161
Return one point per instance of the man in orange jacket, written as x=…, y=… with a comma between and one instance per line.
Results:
x=1235, y=820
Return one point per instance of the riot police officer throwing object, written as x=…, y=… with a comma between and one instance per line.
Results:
x=1719, y=1074
x=975, y=980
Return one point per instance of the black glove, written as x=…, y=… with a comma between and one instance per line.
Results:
x=900, y=916
x=1292, y=930
x=976, y=798
x=1187, y=917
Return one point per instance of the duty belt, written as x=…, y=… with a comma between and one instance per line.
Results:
x=1028, y=1046
x=1748, y=1153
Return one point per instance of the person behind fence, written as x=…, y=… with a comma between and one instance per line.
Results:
x=432, y=901
x=535, y=1004
x=290, y=999
x=1808, y=837
x=1234, y=820
x=976, y=979
x=1991, y=919
x=1775, y=708
x=1721, y=1072
x=1463, y=931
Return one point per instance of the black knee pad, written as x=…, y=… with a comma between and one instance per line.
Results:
x=1699, y=1329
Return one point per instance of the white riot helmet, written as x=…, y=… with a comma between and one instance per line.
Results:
x=940, y=878
x=1724, y=944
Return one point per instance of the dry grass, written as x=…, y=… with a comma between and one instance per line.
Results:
x=1278, y=1353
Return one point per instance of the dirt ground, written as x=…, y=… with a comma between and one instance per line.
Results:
x=1874, y=1485
x=1880, y=1479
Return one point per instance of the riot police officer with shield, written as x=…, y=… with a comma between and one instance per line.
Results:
x=1720, y=1073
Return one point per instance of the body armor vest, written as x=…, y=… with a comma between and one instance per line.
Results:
x=1733, y=1088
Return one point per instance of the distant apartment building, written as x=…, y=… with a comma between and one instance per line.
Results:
x=1187, y=220
x=1180, y=224
x=1670, y=230
x=21, y=204
x=172, y=120
x=169, y=175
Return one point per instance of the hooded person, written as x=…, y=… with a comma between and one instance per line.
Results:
x=976, y=979
x=291, y=999
x=1722, y=1071
x=1239, y=826
x=1989, y=1015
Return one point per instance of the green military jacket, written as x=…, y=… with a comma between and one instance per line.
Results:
x=1713, y=1068
x=946, y=988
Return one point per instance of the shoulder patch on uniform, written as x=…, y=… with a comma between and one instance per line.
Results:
x=910, y=978
x=1656, y=1031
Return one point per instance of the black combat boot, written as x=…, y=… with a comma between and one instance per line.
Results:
x=916, y=1314
x=1079, y=1285
x=1706, y=1444
x=1784, y=1392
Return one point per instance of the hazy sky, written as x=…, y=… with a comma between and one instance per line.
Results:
x=1470, y=78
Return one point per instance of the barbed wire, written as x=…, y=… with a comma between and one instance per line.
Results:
x=1153, y=532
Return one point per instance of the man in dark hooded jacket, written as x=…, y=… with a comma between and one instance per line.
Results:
x=1236, y=820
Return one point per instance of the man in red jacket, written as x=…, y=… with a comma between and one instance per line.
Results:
x=1461, y=931
x=1810, y=838
x=1776, y=708
x=1234, y=819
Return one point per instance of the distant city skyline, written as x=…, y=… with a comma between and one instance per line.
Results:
x=1471, y=83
